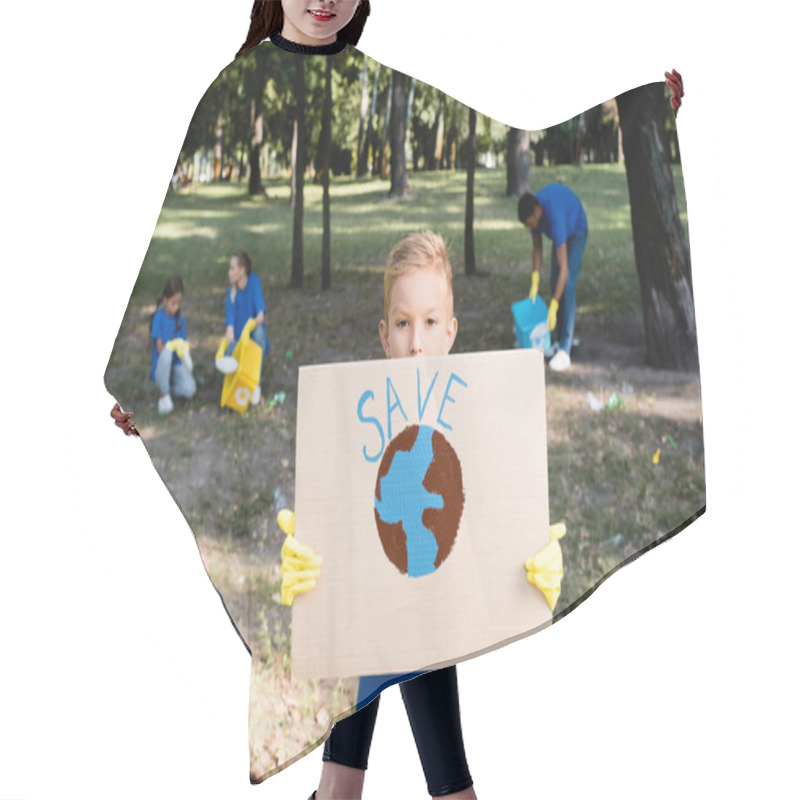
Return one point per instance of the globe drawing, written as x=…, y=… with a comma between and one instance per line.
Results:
x=419, y=500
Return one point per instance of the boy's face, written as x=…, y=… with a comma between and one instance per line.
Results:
x=533, y=220
x=419, y=321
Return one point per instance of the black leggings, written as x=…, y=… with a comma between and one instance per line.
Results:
x=432, y=706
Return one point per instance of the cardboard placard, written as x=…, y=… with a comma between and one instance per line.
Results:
x=422, y=482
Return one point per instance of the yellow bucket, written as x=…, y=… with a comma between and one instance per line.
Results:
x=237, y=389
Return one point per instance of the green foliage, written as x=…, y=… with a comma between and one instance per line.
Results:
x=224, y=116
x=230, y=99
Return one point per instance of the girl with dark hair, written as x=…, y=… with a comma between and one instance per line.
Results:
x=171, y=364
x=315, y=23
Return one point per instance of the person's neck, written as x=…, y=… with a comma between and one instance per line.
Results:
x=241, y=283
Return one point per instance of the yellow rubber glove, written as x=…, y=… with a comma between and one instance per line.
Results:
x=300, y=565
x=178, y=346
x=181, y=349
x=535, y=285
x=657, y=456
x=546, y=569
x=551, y=314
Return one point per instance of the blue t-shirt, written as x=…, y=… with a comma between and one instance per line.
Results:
x=246, y=305
x=562, y=213
x=163, y=328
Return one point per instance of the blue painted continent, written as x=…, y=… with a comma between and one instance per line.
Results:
x=404, y=499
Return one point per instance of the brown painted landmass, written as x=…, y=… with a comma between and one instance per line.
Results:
x=393, y=537
x=444, y=478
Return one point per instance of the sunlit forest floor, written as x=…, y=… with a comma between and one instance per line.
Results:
x=224, y=468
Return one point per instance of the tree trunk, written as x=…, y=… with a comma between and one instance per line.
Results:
x=518, y=162
x=410, y=104
x=410, y=153
x=254, y=184
x=363, y=129
x=255, y=85
x=659, y=244
x=298, y=170
x=242, y=152
x=439, y=134
x=469, y=226
x=579, y=140
x=219, y=128
x=293, y=181
x=397, y=135
x=371, y=133
x=382, y=163
x=325, y=147
x=417, y=143
x=452, y=139
x=538, y=152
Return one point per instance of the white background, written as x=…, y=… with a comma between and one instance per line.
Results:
x=120, y=674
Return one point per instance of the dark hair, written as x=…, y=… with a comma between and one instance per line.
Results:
x=172, y=287
x=526, y=206
x=266, y=19
x=244, y=260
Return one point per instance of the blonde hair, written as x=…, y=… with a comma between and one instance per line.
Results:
x=422, y=250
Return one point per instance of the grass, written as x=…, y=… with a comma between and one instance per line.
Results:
x=223, y=468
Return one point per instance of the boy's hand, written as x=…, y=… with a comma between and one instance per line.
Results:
x=551, y=314
x=546, y=569
x=535, y=284
x=300, y=565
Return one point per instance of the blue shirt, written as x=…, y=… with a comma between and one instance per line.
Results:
x=246, y=305
x=562, y=213
x=163, y=328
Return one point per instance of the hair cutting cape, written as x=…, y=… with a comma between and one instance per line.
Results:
x=625, y=462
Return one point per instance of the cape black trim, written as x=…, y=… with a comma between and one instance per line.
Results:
x=307, y=49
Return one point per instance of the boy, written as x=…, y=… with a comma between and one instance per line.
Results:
x=557, y=212
x=418, y=321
